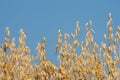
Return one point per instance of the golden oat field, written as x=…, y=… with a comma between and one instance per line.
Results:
x=94, y=62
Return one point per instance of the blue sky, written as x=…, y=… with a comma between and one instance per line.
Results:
x=43, y=18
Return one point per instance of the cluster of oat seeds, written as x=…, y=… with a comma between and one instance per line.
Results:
x=94, y=62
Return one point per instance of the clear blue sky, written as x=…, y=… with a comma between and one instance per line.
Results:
x=43, y=18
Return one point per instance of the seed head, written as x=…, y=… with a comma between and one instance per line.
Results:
x=104, y=36
x=43, y=40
